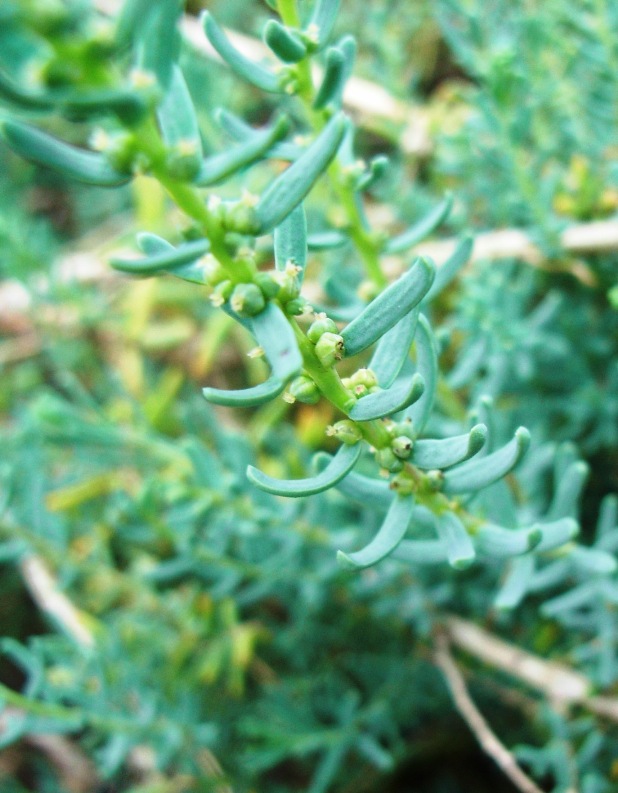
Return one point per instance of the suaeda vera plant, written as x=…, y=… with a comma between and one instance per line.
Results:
x=439, y=483
x=386, y=402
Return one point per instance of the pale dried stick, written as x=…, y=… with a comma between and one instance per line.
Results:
x=488, y=740
x=561, y=685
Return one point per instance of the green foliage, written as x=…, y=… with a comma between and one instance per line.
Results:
x=215, y=615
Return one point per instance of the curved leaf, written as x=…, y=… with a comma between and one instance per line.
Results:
x=252, y=72
x=447, y=271
x=459, y=546
x=291, y=241
x=501, y=543
x=422, y=229
x=429, y=454
x=43, y=149
x=385, y=402
x=393, y=349
x=389, y=307
x=275, y=336
x=427, y=367
x=166, y=260
x=386, y=540
x=343, y=462
x=477, y=474
x=246, y=397
x=291, y=187
x=220, y=166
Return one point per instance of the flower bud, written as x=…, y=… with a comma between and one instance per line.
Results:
x=346, y=431
x=329, y=349
x=247, y=300
x=434, y=480
x=304, y=390
x=214, y=271
x=322, y=324
x=295, y=306
x=267, y=284
x=386, y=459
x=402, y=447
x=221, y=293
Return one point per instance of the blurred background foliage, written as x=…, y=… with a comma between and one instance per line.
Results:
x=221, y=619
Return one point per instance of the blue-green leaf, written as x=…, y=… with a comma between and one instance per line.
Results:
x=427, y=367
x=501, y=543
x=363, y=489
x=429, y=454
x=421, y=229
x=447, y=271
x=291, y=241
x=341, y=464
x=515, y=585
x=166, y=260
x=459, y=546
x=291, y=187
x=556, y=533
x=385, y=402
x=220, y=166
x=477, y=474
x=159, y=39
x=246, y=397
x=331, y=87
x=393, y=349
x=43, y=149
x=323, y=19
x=326, y=240
x=286, y=44
x=386, y=540
x=275, y=336
x=389, y=307
x=176, y=114
x=252, y=72
x=421, y=552
x=566, y=496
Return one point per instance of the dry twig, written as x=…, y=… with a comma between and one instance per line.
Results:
x=486, y=737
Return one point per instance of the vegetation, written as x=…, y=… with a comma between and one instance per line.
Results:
x=324, y=462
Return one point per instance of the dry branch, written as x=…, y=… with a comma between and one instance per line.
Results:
x=488, y=740
x=562, y=685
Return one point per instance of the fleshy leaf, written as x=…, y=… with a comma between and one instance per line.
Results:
x=220, y=166
x=176, y=115
x=557, y=533
x=275, y=336
x=291, y=241
x=421, y=551
x=393, y=349
x=166, y=260
x=501, y=543
x=429, y=454
x=515, y=585
x=427, y=367
x=342, y=462
x=387, y=401
x=287, y=45
x=291, y=187
x=453, y=533
x=389, y=536
x=246, y=397
x=323, y=19
x=447, y=271
x=389, y=307
x=43, y=149
x=567, y=493
x=421, y=229
x=360, y=488
x=331, y=86
x=477, y=474
x=252, y=72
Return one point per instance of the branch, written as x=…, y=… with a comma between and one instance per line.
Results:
x=488, y=740
x=370, y=103
x=562, y=685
